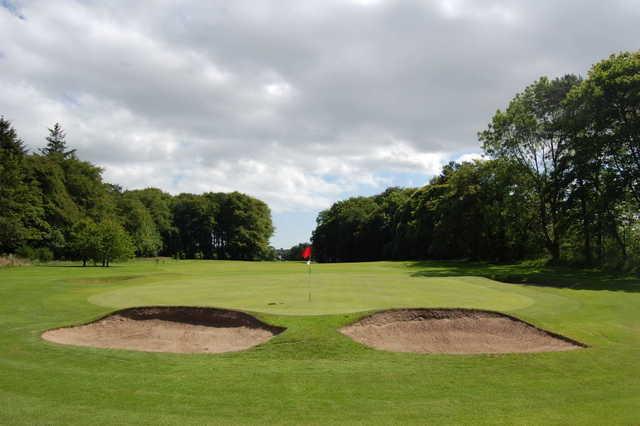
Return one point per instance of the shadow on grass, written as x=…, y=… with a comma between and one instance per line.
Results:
x=533, y=274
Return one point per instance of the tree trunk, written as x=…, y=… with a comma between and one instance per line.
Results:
x=554, y=250
x=600, y=242
x=619, y=240
x=550, y=244
x=586, y=229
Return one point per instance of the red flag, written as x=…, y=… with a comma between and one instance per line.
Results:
x=306, y=253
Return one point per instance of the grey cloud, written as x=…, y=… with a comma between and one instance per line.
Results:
x=337, y=91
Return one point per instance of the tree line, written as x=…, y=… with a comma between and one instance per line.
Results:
x=561, y=179
x=293, y=253
x=55, y=206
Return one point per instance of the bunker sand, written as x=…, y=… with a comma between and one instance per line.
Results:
x=169, y=329
x=454, y=331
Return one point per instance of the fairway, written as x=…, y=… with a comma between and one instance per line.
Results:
x=311, y=373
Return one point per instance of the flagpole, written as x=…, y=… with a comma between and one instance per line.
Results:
x=306, y=254
x=309, y=277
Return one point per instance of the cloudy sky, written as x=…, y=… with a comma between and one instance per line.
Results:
x=299, y=103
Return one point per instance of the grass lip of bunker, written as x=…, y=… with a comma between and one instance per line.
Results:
x=454, y=331
x=174, y=329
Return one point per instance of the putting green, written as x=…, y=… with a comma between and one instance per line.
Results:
x=321, y=293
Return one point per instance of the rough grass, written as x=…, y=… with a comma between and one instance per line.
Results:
x=11, y=260
x=311, y=373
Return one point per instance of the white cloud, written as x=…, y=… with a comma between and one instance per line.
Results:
x=470, y=157
x=278, y=90
x=401, y=156
x=506, y=13
x=367, y=2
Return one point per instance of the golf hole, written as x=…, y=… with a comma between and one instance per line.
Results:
x=454, y=331
x=169, y=329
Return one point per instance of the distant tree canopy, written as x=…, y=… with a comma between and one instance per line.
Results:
x=222, y=226
x=562, y=179
x=54, y=205
x=295, y=252
x=471, y=210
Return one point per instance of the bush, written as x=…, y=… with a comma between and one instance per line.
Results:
x=26, y=252
x=43, y=254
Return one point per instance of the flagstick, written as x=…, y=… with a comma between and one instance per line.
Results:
x=306, y=254
x=309, y=278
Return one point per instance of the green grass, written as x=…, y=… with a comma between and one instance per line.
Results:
x=311, y=373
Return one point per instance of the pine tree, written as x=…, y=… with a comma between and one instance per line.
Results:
x=21, y=212
x=56, y=144
x=9, y=142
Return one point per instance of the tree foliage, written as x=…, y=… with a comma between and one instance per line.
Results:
x=21, y=210
x=57, y=145
x=531, y=132
x=610, y=100
x=472, y=210
x=111, y=242
x=222, y=226
x=53, y=204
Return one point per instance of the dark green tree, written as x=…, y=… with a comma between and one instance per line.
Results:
x=530, y=132
x=139, y=223
x=21, y=211
x=610, y=97
x=604, y=119
x=245, y=226
x=159, y=205
x=194, y=224
x=112, y=243
x=57, y=145
x=85, y=241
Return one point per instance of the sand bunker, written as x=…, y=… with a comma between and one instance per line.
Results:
x=454, y=331
x=169, y=329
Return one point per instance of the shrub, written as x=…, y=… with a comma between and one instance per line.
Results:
x=43, y=254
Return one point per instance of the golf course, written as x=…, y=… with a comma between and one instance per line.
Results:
x=310, y=372
x=352, y=212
